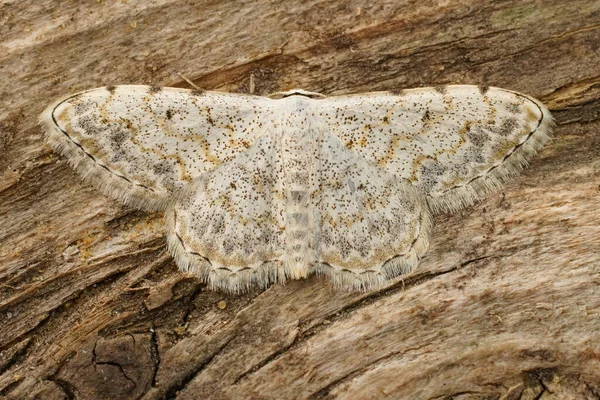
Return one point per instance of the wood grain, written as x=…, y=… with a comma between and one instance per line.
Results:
x=505, y=304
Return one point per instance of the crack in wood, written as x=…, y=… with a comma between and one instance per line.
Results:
x=275, y=355
x=28, y=333
x=345, y=312
x=154, y=354
x=416, y=279
x=324, y=391
x=190, y=302
x=95, y=362
x=527, y=49
x=171, y=391
x=539, y=375
x=57, y=283
x=510, y=391
x=18, y=356
x=8, y=388
x=455, y=395
x=592, y=391
x=67, y=388
x=120, y=368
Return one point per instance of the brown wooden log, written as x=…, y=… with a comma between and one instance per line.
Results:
x=505, y=305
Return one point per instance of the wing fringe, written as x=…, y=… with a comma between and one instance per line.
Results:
x=242, y=280
x=232, y=281
x=494, y=178
x=90, y=170
x=372, y=280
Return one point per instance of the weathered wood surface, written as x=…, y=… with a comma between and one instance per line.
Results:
x=505, y=304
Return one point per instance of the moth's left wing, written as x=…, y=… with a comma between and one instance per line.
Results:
x=140, y=143
x=455, y=143
x=228, y=227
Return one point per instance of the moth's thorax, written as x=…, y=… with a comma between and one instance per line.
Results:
x=297, y=93
x=296, y=116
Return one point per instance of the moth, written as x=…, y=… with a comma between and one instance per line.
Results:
x=257, y=190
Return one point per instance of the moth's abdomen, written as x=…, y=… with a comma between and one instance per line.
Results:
x=299, y=160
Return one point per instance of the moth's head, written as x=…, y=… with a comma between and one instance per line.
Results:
x=297, y=92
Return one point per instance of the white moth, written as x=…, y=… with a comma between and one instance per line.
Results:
x=257, y=190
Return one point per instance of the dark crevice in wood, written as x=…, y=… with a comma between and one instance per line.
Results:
x=542, y=392
x=370, y=298
x=154, y=354
x=34, y=331
x=67, y=388
x=95, y=362
x=539, y=375
x=124, y=217
x=29, y=333
x=594, y=81
x=17, y=357
x=531, y=47
x=454, y=396
x=324, y=392
x=120, y=368
x=57, y=283
x=191, y=302
x=8, y=388
x=162, y=259
x=239, y=72
x=404, y=284
x=173, y=309
x=592, y=391
x=171, y=392
x=586, y=112
x=577, y=106
x=345, y=312
x=282, y=351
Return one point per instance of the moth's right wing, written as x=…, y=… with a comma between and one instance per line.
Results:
x=140, y=143
x=373, y=226
x=454, y=143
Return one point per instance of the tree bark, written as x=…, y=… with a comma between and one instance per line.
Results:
x=505, y=304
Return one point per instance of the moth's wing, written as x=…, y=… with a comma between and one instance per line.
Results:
x=373, y=225
x=140, y=143
x=455, y=143
x=228, y=227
